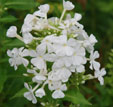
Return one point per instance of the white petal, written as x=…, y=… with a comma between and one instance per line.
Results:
x=101, y=80
x=32, y=71
x=95, y=55
x=58, y=94
x=69, y=51
x=38, y=77
x=80, y=68
x=27, y=37
x=41, y=49
x=33, y=53
x=28, y=96
x=103, y=72
x=12, y=32
x=77, y=60
x=63, y=87
x=77, y=16
x=96, y=65
x=50, y=57
x=26, y=86
x=44, y=8
x=25, y=62
x=29, y=18
x=9, y=53
x=38, y=62
x=92, y=39
x=39, y=13
x=25, y=52
x=68, y=5
x=40, y=93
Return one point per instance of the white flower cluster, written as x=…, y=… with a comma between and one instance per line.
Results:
x=61, y=48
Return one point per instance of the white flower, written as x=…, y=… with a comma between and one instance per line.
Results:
x=29, y=95
x=27, y=37
x=58, y=93
x=53, y=82
x=47, y=42
x=40, y=93
x=38, y=61
x=68, y=5
x=17, y=57
x=12, y=32
x=38, y=77
x=90, y=42
x=100, y=74
x=63, y=74
x=94, y=64
x=62, y=47
x=43, y=10
x=78, y=57
x=29, y=22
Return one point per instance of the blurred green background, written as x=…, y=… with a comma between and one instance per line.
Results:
x=97, y=19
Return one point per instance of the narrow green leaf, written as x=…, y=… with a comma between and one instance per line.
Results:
x=19, y=93
x=3, y=77
x=7, y=19
x=20, y=4
x=76, y=97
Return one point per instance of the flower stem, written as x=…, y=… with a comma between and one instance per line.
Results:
x=36, y=87
x=62, y=15
x=19, y=37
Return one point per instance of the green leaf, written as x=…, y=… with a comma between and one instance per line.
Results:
x=76, y=97
x=21, y=4
x=3, y=77
x=7, y=19
x=19, y=93
x=14, y=43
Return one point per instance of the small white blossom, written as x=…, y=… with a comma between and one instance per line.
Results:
x=68, y=5
x=38, y=59
x=29, y=95
x=40, y=93
x=100, y=74
x=17, y=57
x=90, y=42
x=38, y=77
x=43, y=10
x=12, y=32
x=62, y=47
x=58, y=93
x=94, y=64
x=63, y=74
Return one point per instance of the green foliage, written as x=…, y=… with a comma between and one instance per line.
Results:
x=19, y=4
x=76, y=97
x=3, y=78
